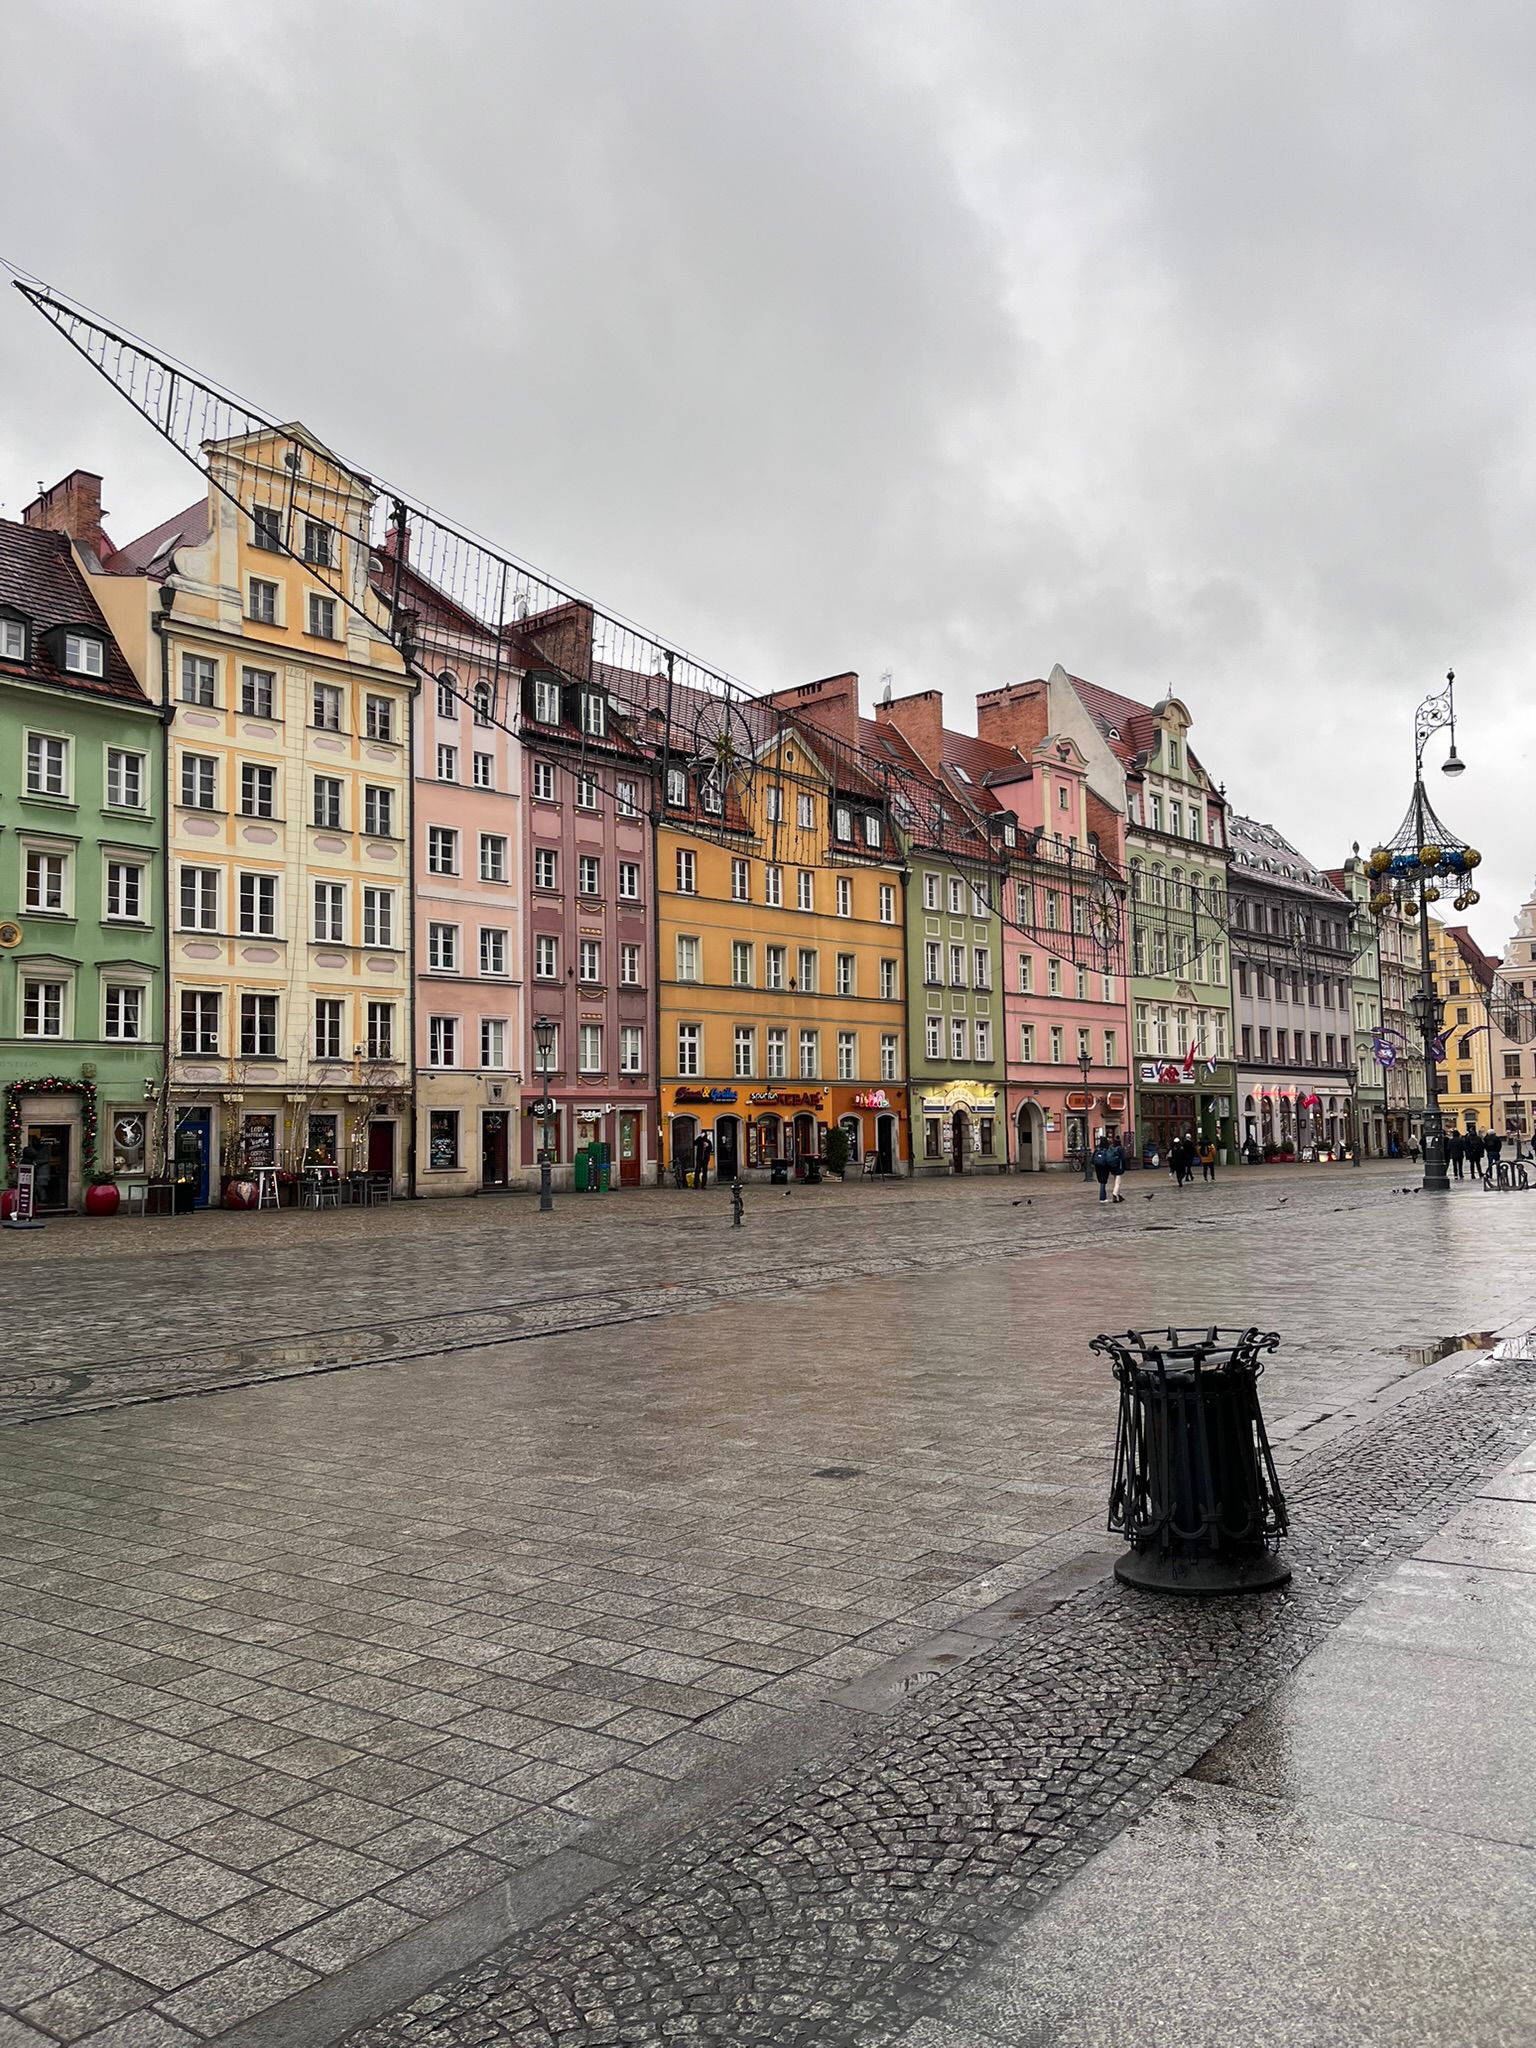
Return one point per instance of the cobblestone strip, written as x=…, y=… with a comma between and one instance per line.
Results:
x=829, y=1913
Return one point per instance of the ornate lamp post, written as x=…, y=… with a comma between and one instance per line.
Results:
x=1085, y=1068
x=1406, y=875
x=544, y=1046
x=1517, y=1119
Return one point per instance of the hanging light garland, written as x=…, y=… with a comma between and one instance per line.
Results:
x=51, y=1084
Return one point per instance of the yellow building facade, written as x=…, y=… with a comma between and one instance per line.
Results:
x=1462, y=980
x=781, y=965
x=288, y=745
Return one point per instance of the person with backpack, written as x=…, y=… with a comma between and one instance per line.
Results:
x=1455, y=1152
x=1117, y=1163
x=1474, y=1145
x=1208, y=1160
x=1101, y=1166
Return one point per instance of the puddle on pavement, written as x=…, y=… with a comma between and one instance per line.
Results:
x=1522, y=1346
x=839, y=1472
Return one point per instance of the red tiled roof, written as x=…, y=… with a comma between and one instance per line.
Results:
x=189, y=529
x=1133, y=722
x=1482, y=965
x=40, y=578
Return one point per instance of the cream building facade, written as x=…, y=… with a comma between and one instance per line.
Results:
x=288, y=716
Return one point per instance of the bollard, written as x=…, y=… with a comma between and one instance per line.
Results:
x=1194, y=1491
x=736, y=1205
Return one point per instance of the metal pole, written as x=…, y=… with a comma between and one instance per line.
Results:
x=546, y=1199
x=1085, y=1068
x=1435, y=1175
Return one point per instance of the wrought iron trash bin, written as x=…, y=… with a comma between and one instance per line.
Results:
x=1194, y=1492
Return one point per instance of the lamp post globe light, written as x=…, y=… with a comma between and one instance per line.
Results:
x=544, y=1047
x=1406, y=877
x=1085, y=1068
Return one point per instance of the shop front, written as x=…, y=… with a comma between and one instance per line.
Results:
x=1287, y=1120
x=1173, y=1101
x=961, y=1129
x=592, y=1141
x=871, y=1120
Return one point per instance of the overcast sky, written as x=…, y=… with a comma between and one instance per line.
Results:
x=1182, y=343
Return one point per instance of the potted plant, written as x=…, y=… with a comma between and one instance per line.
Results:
x=101, y=1195
x=837, y=1150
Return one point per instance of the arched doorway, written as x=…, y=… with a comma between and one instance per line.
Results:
x=684, y=1130
x=885, y=1144
x=1031, y=1138
x=727, y=1147
x=805, y=1138
x=770, y=1139
x=852, y=1128
x=960, y=1141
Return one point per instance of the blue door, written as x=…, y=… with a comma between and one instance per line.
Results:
x=194, y=1130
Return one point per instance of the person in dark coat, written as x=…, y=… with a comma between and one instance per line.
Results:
x=1455, y=1153
x=703, y=1152
x=1474, y=1143
x=1493, y=1147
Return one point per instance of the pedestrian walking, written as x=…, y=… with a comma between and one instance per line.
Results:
x=1208, y=1160
x=1455, y=1153
x=1187, y=1155
x=703, y=1152
x=1493, y=1146
x=1176, y=1162
x=1101, y=1158
x=1474, y=1145
x=1116, y=1169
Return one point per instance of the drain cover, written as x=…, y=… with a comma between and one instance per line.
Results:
x=838, y=1472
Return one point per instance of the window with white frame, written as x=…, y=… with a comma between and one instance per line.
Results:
x=847, y=1055
x=443, y=948
x=587, y=792
x=442, y=1041
x=775, y=803
x=546, y=868
x=1058, y=1050
x=629, y=966
x=258, y=790
x=687, y=958
x=677, y=787
x=258, y=1027
x=329, y=1016
x=43, y=1005
x=625, y=799
x=261, y=600
x=379, y=815
x=874, y=829
x=957, y=967
x=844, y=896
x=258, y=692
x=777, y=1063
x=589, y=875
x=631, y=1049
x=933, y=1037
x=981, y=967
x=321, y=616
x=447, y=696
x=810, y=1055
x=318, y=543
x=546, y=700
x=847, y=974
x=378, y=917
x=1084, y=1042
x=381, y=1031
x=805, y=812
x=594, y=714
x=199, y=679
x=199, y=899
x=330, y=913
x=589, y=1049
x=1027, y=1042
x=808, y=970
x=842, y=822
x=493, y=856
x=805, y=889
x=744, y=1052
x=629, y=881
x=983, y=1038
x=1053, y=977
x=484, y=771
x=546, y=957
x=47, y=765
x=1080, y=980
x=933, y=963
x=325, y=707
x=493, y=1043
x=47, y=876
x=589, y=967
x=890, y=1056
x=199, y=789
x=544, y=782
x=447, y=763
x=125, y=779
x=379, y=717
x=493, y=949
x=741, y=963
x=485, y=701
x=887, y=903
x=773, y=886
x=890, y=987
x=1026, y=975
x=931, y=900
x=258, y=906
x=442, y=850
x=775, y=966
x=199, y=1021
x=13, y=640
x=959, y=1038
x=326, y=810
x=125, y=891
x=712, y=792
x=688, y=1049
x=956, y=896
x=1111, y=1047
x=687, y=872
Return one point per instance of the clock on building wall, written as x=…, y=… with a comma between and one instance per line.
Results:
x=1104, y=917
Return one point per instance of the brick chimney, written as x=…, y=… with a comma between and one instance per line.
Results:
x=920, y=720
x=72, y=507
x=831, y=704
x=1018, y=715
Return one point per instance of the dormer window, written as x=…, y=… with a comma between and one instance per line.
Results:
x=13, y=640
x=711, y=793
x=546, y=700
x=594, y=714
x=1010, y=832
x=874, y=829
x=843, y=822
x=677, y=787
x=84, y=655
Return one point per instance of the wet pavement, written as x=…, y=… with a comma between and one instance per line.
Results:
x=318, y=1688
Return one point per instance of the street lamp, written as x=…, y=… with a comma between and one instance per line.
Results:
x=1406, y=875
x=544, y=1047
x=1085, y=1068
x=1519, y=1122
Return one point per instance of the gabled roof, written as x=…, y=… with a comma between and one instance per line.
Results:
x=1261, y=853
x=1130, y=728
x=187, y=529
x=40, y=578
x=1481, y=965
x=934, y=808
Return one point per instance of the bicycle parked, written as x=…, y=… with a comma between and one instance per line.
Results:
x=1506, y=1174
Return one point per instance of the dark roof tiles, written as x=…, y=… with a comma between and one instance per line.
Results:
x=40, y=577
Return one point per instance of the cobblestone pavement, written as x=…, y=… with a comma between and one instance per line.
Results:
x=102, y=1313
x=312, y=1691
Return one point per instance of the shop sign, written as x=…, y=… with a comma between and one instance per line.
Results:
x=787, y=1098
x=1078, y=1100
x=705, y=1095
x=1115, y=1099
x=594, y=1115
x=1167, y=1074
x=961, y=1095
x=872, y=1098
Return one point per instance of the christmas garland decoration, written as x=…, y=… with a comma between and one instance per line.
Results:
x=51, y=1084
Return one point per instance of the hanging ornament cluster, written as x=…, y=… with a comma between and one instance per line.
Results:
x=1399, y=873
